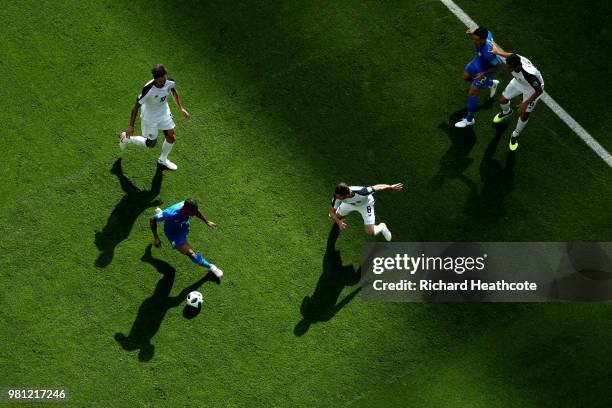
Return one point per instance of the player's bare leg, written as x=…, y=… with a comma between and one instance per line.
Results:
x=372, y=230
x=197, y=258
x=166, y=148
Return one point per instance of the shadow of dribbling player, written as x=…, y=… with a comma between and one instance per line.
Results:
x=456, y=160
x=497, y=182
x=153, y=309
x=323, y=304
x=128, y=209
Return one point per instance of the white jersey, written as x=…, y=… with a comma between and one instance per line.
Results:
x=362, y=196
x=529, y=75
x=154, y=101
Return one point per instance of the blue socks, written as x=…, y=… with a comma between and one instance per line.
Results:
x=199, y=260
x=471, y=108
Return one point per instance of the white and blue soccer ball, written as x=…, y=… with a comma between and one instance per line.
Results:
x=195, y=299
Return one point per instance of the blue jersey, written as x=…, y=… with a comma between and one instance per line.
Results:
x=175, y=221
x=484, y=56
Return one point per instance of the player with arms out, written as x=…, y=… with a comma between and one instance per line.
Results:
x=155, y=116
x=527, y=81
x=176, y=228
x=479, y=72
x=360, y=199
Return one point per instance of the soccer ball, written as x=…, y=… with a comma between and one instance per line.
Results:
x=194, y=299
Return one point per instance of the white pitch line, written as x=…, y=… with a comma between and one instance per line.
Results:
x=577, y=128
x=546, y=98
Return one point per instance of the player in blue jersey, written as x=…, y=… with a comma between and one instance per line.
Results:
x=176, y=228
x=479, y=72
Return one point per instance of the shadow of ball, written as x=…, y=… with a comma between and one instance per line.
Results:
x=190, y=312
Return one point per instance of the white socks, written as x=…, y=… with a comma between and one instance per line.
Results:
x=137, y=140
x=142, y=141
x=166, y=147
x=519, y=127
x=382, y=229
x=505, y=107
x=378, y=229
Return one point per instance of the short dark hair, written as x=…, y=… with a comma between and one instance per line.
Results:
x=481, y=32
x=513, y=60
x=191, y=204
x=342, y=189
x=158, y=71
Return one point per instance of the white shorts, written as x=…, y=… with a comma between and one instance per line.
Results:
x=366, y=211
x=151, y=128
x=515, y=89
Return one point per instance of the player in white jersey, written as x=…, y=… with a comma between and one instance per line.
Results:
x=357, y=198
x=527, y=81
x=155, y=116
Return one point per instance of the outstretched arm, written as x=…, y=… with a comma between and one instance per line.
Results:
x=177, y=100
x=210, y=224
x=498, y=51
x=394, y=187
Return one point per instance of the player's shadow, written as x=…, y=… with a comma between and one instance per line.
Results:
x=497, y=181
x=125, y=213
x=153, y=309
x=323, y=304
x=457, y=160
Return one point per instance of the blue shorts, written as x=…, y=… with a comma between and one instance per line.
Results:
x=177, y=238
x=474, y=68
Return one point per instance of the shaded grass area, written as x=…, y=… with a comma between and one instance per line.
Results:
x=286, y=100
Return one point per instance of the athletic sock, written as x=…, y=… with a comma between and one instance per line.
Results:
x=471, y=108
x=505, y=107
x=199, y=260
x=519, y=126
x=137, y=140
x=377, y=229
x=166, y=147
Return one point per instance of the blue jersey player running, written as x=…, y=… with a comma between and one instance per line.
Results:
x=479, y=72
x=176, y=228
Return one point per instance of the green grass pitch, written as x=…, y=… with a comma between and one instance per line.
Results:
x=288, y=98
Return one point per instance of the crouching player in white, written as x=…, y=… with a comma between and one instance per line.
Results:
x=176, y=228
x=155, y=116
x=356, y=198
x=527, y=81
